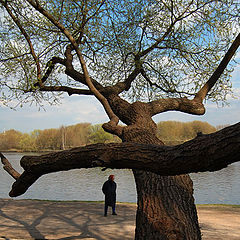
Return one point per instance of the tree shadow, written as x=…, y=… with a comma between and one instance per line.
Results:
x=18, y=220
x=27, y=219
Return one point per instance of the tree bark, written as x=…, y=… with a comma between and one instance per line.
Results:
x=166, y=209
x=165, y=204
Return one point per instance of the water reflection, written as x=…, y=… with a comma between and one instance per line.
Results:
x=86, y=184
x=218, y=187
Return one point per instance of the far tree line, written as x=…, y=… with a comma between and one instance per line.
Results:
x=65, y=137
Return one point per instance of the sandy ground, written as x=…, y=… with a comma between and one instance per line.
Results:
x=30, y=219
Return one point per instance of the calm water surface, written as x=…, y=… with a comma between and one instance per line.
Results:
x=85, y=184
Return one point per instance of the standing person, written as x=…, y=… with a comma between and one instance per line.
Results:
x=109, y=190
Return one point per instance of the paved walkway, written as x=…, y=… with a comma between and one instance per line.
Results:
x=30, y=219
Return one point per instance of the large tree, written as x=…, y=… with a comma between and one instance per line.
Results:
x=139, y=58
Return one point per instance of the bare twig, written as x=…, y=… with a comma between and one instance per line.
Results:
x=25, y=34
x=170, y=28
x=15, y=57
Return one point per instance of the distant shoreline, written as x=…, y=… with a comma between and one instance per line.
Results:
x=20, y=151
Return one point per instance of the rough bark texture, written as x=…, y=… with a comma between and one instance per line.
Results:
x=166, y=208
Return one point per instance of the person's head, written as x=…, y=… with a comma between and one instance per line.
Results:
x=111, y=177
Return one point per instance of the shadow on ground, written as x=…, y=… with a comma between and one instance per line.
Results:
x=25, y=219
x=30, y=219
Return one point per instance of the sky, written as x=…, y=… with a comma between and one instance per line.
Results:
x=79, y=109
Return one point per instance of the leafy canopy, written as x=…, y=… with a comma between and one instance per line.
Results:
x=191, y=37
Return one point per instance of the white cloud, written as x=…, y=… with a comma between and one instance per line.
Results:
x=86, y=109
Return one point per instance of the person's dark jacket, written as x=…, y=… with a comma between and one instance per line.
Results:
x=109, y=189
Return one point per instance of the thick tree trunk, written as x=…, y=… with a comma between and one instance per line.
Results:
x=166, y=209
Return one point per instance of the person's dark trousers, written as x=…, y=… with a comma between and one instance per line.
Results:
x=106, y=209
x=113, y=209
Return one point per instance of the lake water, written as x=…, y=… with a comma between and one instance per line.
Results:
x=85, y=184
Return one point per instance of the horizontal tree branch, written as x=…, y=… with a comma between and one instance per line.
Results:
x=67, y=89
x=176, y=104
x=204, y=153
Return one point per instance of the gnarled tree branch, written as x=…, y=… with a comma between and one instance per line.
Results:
x=204, y=153
x=176, y=104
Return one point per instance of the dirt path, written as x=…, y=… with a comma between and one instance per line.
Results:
x=28, y=219
x=219, y=222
